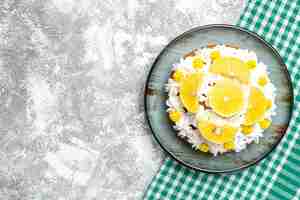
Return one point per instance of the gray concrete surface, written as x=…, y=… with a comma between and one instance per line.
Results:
x=72, y=74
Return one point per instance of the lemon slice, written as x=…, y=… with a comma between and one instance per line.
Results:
x=258, y=104
x=231, y=67
x=188, y=91
x=218, y=135
x=226, y=98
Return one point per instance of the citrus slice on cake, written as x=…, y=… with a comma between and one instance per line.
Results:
x=188, y=91
x=231, y=67
x=226, y=98
x=258, y=104
x=218, y=135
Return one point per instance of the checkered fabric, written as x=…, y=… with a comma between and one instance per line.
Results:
x=277, y=176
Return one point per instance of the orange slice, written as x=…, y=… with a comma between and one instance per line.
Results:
x=218, y=135
x=257, y=107
x=231, y=67
x=188, y=91
x=226, y=98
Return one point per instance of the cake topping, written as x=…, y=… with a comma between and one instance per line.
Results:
x=251, y=64
x=175, y=115
x=226, y=98
x=177, y=75
x=218, y=135
x=231, y=67
x=265, y=123
x=262, y=80
x=257, y=106
x=188, y=91
x=198, y=63
x=203, y=147
x=246, y=130
x=229, y=145
x=215, y=55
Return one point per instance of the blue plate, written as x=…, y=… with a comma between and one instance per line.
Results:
x=155, y=97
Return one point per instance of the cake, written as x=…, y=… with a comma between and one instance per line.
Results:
x=220, y=98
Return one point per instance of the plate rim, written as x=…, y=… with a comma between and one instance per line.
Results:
x=225, y=26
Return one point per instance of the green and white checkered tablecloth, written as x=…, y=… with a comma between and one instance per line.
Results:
x=277, y=176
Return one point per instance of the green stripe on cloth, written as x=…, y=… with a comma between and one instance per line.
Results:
x=277, y=176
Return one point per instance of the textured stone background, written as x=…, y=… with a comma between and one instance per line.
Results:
x=72, y=74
